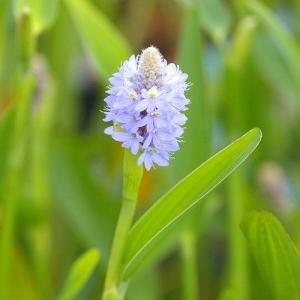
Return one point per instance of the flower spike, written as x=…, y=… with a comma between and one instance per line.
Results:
x=146, y=102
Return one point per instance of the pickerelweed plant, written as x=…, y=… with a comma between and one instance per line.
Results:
x=146, y=102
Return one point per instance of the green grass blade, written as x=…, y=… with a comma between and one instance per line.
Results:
x=287, y=44
x=190, y=59
x=79, y=274
x=153, y=226
x=216, y=18
x=276, y=255
x=105, y=44
x=43, y=12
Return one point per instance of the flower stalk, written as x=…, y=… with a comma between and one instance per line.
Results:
x=132, y=175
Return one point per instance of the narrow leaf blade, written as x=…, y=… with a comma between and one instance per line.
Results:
x=80, y=273
x=153, y=226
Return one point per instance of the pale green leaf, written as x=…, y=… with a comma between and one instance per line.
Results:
x=154, y=225
x=215, y=17
x=106, y=45
x=79, y=274
x=43, y=12
x=275, y=254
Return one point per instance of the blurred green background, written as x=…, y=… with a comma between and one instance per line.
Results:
x=60, y=176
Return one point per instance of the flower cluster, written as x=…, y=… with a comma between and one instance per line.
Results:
x=145, y=103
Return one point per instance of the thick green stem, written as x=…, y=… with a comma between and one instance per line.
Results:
x=132, y=175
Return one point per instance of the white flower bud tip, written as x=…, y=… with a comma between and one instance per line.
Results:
x=150, y=62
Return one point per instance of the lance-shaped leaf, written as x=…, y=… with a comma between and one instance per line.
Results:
x=155, y=224
x=275, y=254
x=105, y=44
x=80, y=273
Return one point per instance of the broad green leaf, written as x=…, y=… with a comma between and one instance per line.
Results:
x=105, y=44
x=205, y=210
x=79, y=274
x=215, y=17
x=154, y=225
x=275, y=254
x=43, y=12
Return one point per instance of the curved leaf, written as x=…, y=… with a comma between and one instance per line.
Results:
x=276, y=255
x=154, y=225
x=80, y=273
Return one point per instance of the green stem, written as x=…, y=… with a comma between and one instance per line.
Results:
x=237, y=248
x=189, y=265
x=132, y=175
x=41, y=126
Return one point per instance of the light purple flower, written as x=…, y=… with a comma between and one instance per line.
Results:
x=146, y=102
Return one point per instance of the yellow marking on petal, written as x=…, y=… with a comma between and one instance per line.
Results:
x=156, y=114
x=132, y=95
